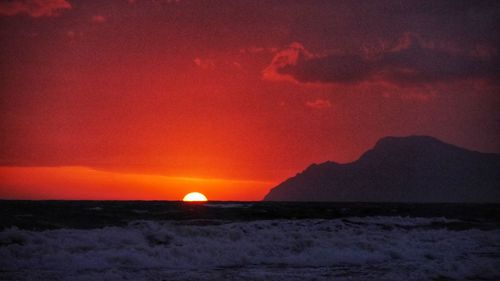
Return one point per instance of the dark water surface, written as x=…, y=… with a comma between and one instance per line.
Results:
x=41, y=215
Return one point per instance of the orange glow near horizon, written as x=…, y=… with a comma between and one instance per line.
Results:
x=82, y=183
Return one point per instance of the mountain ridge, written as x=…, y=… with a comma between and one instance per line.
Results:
x=399, y=169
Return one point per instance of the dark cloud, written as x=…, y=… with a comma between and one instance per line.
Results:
x=400, y=42
x=417, y=64
x=411, y=61
x=331, y=69
x=33, y=8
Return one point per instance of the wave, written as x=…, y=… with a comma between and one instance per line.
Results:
x=389, y=248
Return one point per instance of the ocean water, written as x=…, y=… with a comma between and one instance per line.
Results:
x=158, y=240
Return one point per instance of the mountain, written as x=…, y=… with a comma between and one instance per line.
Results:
x=400, y=169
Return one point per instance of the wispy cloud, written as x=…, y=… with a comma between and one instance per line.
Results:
x=33, y=8
x=319, y=104
x=204, y=63
x=289, y=56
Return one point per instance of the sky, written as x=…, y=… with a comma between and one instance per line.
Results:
x=153, y=99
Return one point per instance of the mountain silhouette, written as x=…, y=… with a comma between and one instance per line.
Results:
x=400, y=169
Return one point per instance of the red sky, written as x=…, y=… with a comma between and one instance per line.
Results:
x=153, y=99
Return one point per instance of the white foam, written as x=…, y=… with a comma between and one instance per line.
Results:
x=258, y=250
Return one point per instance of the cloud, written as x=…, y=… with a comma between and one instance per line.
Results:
x=257, y=50
x=284, y=58
x=204, y=63
x=216, y=64
x=98, y=19
x=33, y=8
x=411, y=61
x=319, y=104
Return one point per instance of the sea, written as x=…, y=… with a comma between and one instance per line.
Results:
x=172, y=240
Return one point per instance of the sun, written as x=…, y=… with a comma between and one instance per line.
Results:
x=194, y=197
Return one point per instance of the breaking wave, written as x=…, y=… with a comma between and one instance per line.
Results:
x=389, y=248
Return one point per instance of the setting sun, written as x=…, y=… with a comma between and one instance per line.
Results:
x=194, y=197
